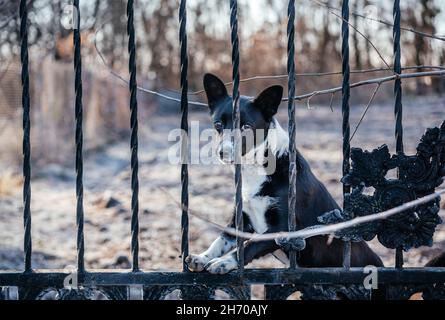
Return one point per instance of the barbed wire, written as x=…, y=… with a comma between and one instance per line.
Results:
x=316, y=230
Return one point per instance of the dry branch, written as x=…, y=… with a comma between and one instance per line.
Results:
x=371, y=81
x=317, y=230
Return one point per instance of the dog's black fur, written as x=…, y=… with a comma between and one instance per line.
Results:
x=313, y=199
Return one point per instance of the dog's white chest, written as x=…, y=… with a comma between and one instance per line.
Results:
x=255, y=206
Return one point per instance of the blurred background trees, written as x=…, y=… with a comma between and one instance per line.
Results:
x=263, y=32
x=263, y=52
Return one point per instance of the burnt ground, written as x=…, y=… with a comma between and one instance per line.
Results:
x=107, y=192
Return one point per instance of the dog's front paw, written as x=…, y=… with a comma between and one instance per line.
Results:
x=196, y=262
x=222, y=265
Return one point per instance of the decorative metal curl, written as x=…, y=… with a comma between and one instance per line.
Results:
x=293, y=244
x=419, y=175
x=434, y=292
x=335, y=292
x=93, y=293
x=318, y=292
x=195, y=292
x=361, y=205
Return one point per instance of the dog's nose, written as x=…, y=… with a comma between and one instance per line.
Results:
x=221, y=154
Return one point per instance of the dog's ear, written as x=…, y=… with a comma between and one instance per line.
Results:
x=269, y=100
x=214, y=88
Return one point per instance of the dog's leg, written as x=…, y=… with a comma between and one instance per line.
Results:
x=222, y=245
x=252, y=250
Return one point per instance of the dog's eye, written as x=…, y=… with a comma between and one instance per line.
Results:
x=218, y=126
x=246, y=127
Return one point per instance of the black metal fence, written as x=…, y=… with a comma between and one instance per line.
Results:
x=419, y=175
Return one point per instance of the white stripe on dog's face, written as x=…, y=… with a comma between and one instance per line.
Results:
x=226, y=148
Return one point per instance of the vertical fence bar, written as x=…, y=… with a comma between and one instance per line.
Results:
x=184, y=132
x=27, y=243
x=236, y=127
x=79, y=139
x=345, y=113
x=134, y=144
x=398, y=107
x=292, y=195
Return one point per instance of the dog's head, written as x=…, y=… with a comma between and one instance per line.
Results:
x=256, y=116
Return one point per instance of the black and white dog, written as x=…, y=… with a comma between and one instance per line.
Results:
x=265, y=194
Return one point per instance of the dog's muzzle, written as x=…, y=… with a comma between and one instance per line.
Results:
x=226, y=152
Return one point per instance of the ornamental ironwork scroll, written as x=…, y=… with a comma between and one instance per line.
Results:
x=418, y=176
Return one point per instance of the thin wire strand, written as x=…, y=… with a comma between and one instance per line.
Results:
x=7, y=20
x=298, y=97
x=370, y=82
x=320, y=74
x=360, y=15
x=362, y=35
x=27, y=241
x=126, y=82
x=371, y=100
x=315, y=230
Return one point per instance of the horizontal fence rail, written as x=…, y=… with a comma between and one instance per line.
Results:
x=54, y=278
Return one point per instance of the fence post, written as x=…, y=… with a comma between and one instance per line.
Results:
x=236, y=130
x=27, y=243
x=398, y=107
x=134, y=137
x=184, y=132
x=79, y=140
x=345, y=113
x=292, y=196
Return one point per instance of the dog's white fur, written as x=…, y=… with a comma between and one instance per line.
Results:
x=217, y=249
x=255, y=175
x=215, y=259
x=277, y=139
